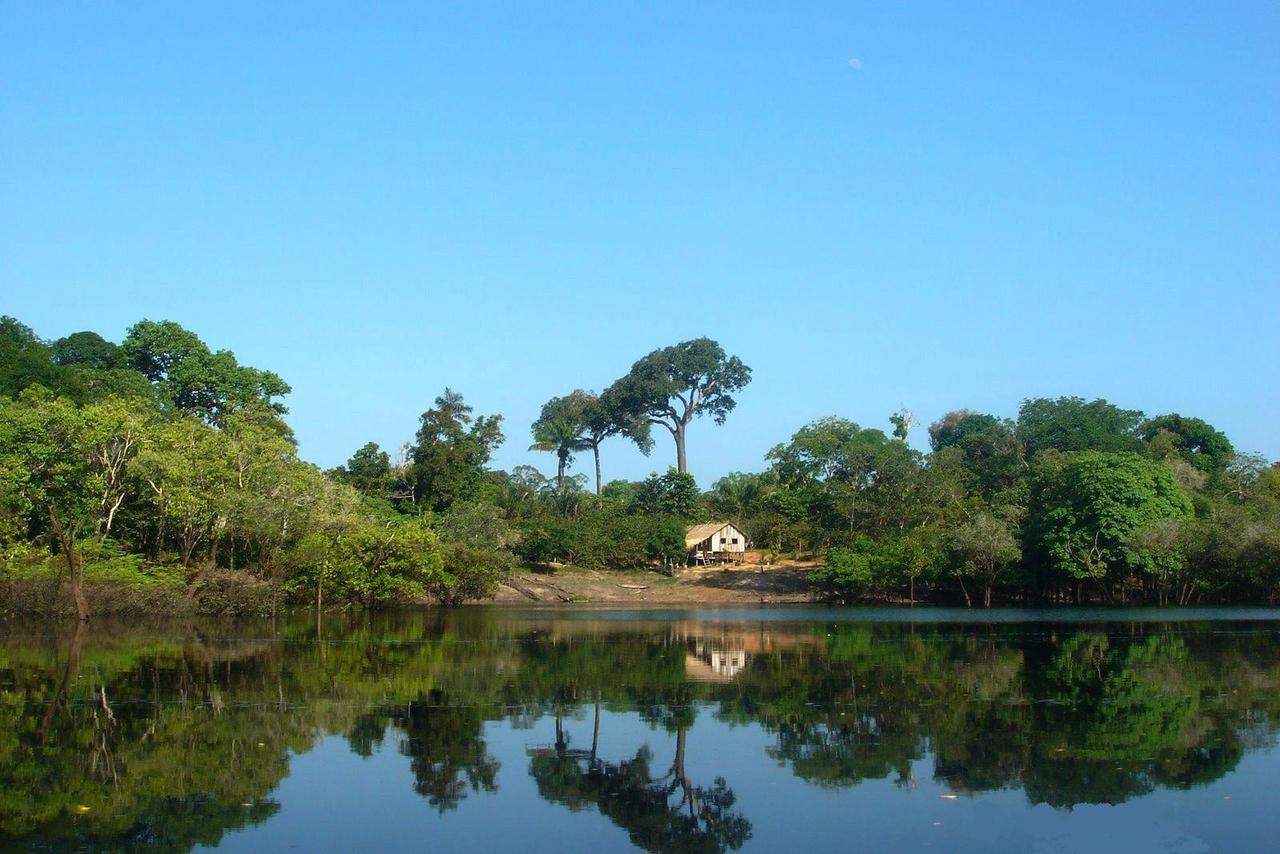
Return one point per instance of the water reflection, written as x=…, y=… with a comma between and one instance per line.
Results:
x=174, y=736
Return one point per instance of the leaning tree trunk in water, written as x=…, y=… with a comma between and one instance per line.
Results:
x=73, y=664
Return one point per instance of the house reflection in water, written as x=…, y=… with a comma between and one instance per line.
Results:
x=708, y=663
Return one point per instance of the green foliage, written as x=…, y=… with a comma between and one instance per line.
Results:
x=470, y=572
x=1089, y=506
x=1072, y=424
x=672, y=494
x=368, y=470
x=847, y=569
x=984, y=547
x=1191, y=439
x=205, y=383
x=666, y=541
x=451, y=451
x=673, y=385
x=161, y=460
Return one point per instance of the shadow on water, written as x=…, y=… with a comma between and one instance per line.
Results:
x=172, y=735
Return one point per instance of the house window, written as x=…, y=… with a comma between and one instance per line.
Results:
x=734, y=541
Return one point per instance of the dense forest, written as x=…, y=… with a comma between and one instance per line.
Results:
x=161, y=473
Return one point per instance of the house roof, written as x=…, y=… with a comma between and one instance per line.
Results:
x=698, y=533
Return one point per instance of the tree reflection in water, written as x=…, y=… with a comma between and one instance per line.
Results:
x=171, y=736
x=660, y=813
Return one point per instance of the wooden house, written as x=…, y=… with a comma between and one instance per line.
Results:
x=714, y=542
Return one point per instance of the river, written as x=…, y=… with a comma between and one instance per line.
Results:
x=577, y=729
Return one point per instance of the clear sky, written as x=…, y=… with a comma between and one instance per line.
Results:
x=875, y=205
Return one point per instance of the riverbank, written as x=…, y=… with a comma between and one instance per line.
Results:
x=697, y=585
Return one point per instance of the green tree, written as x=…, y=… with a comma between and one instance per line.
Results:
x=984, y=547
x=988, y=446
x=1088, y=507
x=368, y=470
x=861, y=477
x=1191, y=439
x=47, y=474
x=195, y=379
x=561, y=430
x=451, y=451
x=86, y=349
x=672, y=494
x=673, y=385
x=1072, y=424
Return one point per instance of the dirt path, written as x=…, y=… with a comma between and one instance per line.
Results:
x=754, y=585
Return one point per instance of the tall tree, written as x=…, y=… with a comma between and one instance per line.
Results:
x=451, y=450
x=559, y=430
x=588, y=419
x=672, y=386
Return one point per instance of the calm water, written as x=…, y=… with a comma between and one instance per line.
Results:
x=767, y=730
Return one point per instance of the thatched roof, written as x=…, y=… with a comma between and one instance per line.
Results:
x=698, y=533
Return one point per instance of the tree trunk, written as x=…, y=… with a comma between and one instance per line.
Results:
x=599, y=483
x=73, y=664
x=74, y=568
x=560, y=473
x=986, y=596
x=682, y=465
x=595, y=734
x=678, y=765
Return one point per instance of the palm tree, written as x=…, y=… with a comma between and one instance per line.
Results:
x=562, y=436
x=451, y=405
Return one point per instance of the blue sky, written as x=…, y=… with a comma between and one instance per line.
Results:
x=874, y=205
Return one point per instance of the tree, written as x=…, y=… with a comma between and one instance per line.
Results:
x=86, y=349
x=672, y=494
x=1072, y=424
x=470, y=573
x=740, y=496
x=194, y=379
x=368, y=470
x=992, y=458
x=903, y=422
x=1191, y=439
x=984, y=546
x=604, y=416
x=46, y=472
x=861, y=476
x=846, y=569
x=451, y=451
x=560, y=429
x=673, y=385
x=1088, y=507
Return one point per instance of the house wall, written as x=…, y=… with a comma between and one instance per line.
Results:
x=723, y=540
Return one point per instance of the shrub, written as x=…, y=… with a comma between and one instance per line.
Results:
x=470, y=573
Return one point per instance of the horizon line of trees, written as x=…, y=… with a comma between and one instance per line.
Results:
x=161, y=461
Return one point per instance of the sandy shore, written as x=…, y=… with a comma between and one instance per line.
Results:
x=715, y=585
